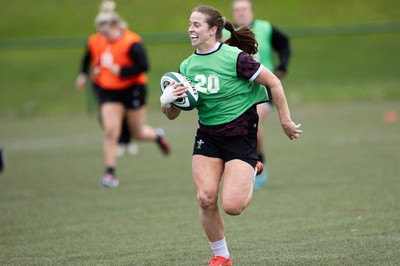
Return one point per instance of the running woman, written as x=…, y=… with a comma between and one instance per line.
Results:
x=269, y=39
x=117, y=69
x=228, y=80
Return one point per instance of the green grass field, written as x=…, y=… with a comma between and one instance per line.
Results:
x=332, y=197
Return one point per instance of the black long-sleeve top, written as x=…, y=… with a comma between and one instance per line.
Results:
x=280, y=43
x=136, y=52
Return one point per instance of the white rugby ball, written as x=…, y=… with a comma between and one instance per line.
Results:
x=187, y=103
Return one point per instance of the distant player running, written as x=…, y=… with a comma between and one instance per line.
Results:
x=225, y=149
x=118, y=65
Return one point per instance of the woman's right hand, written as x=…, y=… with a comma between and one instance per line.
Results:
x=171, y=93
x=80, y=82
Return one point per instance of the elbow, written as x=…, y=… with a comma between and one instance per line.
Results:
x=171, y=113
x=170, y=116
x=276, y=89
x=276, y=83
x=145, y=68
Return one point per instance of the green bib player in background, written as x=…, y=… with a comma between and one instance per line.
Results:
x=270, y=40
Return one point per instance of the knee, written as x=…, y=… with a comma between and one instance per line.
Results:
x=234, y=208
x=207, y=200
x=111, y=134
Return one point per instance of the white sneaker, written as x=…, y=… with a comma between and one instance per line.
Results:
x=133, y=148
x=109, y=180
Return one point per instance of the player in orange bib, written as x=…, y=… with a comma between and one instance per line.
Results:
x=118, y=63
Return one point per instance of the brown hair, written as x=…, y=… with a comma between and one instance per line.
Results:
x=243, y=37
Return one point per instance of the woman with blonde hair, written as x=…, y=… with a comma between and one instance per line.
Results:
x=118, y=64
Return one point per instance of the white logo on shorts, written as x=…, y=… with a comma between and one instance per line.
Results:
x=199, y=144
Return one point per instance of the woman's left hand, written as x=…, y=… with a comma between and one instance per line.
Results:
x=115, y=70
x=292, y=130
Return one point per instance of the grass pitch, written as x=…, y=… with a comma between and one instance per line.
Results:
x=332, y=197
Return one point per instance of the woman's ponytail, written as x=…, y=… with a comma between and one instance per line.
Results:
x=242, y=38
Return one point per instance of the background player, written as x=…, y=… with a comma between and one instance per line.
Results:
x=269, y=39
x=117, y=69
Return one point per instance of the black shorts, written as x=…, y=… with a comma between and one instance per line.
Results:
x=242, y=147
x=132, y=98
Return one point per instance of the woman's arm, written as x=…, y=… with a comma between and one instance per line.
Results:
x=267, y=78
x=171, y=113
x=281, y=44
x=82, y=77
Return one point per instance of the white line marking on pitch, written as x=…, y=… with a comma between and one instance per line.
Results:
x=54, y=142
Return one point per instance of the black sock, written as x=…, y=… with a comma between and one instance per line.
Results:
x=159, y=134
x=261, y=157
x=125, y=136
x=110, y=170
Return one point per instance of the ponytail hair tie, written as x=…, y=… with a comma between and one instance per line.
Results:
x=223, y=22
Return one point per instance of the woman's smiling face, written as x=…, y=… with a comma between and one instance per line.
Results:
x=201, y=36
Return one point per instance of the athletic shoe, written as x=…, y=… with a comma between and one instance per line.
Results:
x=133, y=148
x=109, y=180
x=162, y=141
x=220, y=261
x=261, y=179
